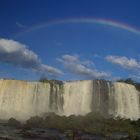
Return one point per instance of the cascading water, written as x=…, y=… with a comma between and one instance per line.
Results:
x=127, y=101
x=77, y=97
x=21, y=100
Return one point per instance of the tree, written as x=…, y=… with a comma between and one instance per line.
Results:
x=43, y=79
x=14, y=123
x=128, y=81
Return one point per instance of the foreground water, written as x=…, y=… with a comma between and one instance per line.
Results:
x=10, y=133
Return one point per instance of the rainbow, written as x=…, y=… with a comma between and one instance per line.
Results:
x=105, y=22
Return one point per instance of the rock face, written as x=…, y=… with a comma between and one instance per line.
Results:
x=21, y=100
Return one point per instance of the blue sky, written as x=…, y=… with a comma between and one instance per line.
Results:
x=70, y=39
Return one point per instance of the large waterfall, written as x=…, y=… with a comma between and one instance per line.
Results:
x=21, y=99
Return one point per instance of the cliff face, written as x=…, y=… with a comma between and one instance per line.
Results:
x=22, y=100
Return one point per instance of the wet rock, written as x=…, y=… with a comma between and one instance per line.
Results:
x=5, y=138
x=30, y=134
x=120, y=136
x=51, y=137
x=92, y=137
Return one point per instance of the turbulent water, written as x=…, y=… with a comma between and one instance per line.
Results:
x=21, y=99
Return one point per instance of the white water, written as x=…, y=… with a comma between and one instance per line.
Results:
x=77, y=97
x=127, y=101
x=21, y=100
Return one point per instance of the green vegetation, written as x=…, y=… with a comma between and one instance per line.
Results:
x=90, y=123
x=130, y=81
x=43, y=80
x=35, y=122
x=14, y=123
x=52, y=81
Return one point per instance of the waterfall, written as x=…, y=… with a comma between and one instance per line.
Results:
x=21, y=99
x=77, y=97
x=127, y=101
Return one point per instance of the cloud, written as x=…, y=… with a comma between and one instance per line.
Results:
x=124, y=62
x=74, y=65
x=15, y=53
x=96, y=55
x=20, y=25
x=135, y=77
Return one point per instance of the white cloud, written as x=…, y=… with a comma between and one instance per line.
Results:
x=20, y=25
x=96, y=55
x=15, y=53
x=124, y=62
x=135, y=77
x=74, y=65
